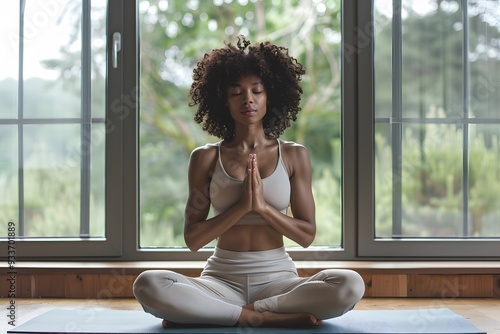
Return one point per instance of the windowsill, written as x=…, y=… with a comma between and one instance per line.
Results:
x=194, y=267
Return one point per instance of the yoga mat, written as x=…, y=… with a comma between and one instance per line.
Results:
x=436, y=321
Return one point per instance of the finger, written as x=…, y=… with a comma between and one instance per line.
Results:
x=250, y=164
x=250, y=170
x=252, y=167
x=256, y=168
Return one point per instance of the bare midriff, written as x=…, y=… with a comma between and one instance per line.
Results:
x=250, y=238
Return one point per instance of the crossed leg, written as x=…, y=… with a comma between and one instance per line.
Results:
x=327, y=294
x=178, y=299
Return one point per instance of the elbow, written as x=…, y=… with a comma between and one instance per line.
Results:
x=194, y=249
x=191, y=244
x=308, y=238
x=307, y=242
x=191, y=239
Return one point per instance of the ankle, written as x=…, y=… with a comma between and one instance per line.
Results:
x=249, y=307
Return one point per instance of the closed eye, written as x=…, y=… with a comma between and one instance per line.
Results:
x=239, y=93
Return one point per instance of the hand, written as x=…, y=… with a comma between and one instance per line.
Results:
x=246, y=194
x=258, y=201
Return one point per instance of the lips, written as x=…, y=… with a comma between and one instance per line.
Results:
x=249, y=112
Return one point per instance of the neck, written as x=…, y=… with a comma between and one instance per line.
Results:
x=249, y=139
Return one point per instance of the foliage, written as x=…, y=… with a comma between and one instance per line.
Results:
x=439, y=104
x=432, y=188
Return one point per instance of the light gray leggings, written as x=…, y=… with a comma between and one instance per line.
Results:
x=232, y=279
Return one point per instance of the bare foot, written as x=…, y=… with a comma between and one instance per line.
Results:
x=168, y=324
x=252, y=318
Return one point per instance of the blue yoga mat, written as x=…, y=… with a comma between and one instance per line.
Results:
x=436, y=321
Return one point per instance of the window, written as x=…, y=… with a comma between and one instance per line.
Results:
x=436, y=130
x=53, y=128
x=400, y=114
x=174, y=35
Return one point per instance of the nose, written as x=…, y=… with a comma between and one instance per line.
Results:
x=247, y=98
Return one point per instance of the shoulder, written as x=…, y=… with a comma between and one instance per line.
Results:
x=294, y=150
x=204, y=156
x=204, y=151
x=295, y=156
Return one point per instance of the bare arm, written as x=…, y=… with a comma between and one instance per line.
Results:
x=198, y=231
x=300, y=228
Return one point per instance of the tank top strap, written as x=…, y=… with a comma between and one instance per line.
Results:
x=219, y=159
x=279, y=148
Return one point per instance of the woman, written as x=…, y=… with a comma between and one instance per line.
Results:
x=247, y=96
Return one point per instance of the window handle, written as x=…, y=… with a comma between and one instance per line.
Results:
x=117, y=46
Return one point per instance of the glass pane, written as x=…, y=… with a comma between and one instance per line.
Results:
x=43, y=53
x=432, y=64
x=97, y=181
x=8, y=174
x=98, y=13
x=432, y=184
x=430, y=181
x=436, y=168
x=484, y=57
x=484, y=163
x=52, y=180
x=383, y=180
x=9, y=53
x=173, y=38
x=383, y=57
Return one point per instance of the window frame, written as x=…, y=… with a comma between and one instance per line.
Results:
x=111, y=244
x=122, y=200
x=311, y=254
x=368, y=245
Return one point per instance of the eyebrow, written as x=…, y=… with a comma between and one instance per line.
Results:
x=235, y=84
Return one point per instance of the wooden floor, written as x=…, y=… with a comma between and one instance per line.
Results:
x=483, y=313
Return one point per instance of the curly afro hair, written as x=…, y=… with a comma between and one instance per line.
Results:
x=280, y=73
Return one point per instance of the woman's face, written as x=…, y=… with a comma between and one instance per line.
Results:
x=247, y=99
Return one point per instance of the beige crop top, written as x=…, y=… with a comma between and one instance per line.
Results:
x=225, y=190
